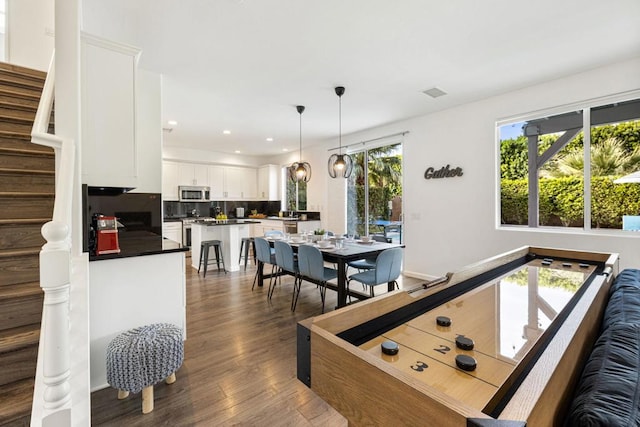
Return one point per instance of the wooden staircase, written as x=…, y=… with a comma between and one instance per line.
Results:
x=27, y=180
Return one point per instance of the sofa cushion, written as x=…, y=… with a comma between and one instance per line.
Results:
x=628, y=278
x=608, y=393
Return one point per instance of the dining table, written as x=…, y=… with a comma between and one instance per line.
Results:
x=351, y=250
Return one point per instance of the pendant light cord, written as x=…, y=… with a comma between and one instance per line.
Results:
x=340, y=123
x=300, y=151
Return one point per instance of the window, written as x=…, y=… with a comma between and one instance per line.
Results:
x=545, y=176
x=296, y=193
x=374, y=192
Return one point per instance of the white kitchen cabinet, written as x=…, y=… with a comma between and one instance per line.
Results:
x=240, y=183
x=110, y=154
x=193, y=174
x=216, y=182
x=170, y=181
x=172, y=230
x=269, y=182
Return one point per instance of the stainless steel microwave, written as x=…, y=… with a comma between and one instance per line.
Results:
x=194, y=194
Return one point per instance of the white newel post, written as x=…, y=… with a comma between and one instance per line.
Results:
x=55, y=268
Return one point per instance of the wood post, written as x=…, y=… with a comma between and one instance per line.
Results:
x=171, y=378
x=147, y=399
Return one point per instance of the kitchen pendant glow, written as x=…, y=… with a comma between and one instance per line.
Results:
x=340, y=164
x=300, y=171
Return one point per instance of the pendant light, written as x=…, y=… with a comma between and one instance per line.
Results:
x=340, y=164
x=300, y=171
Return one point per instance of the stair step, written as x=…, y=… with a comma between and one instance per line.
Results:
x=26, y=205
x=21, y=136
x=26, y=99
x=16, y=399
x=27, y=182
x=23, y=83
x=19, y=236
x=19, y=349
x=19, y=266
x=26, y=160
x=21, y=305
x=24, y=71
x=15, y=124
x=20, y=144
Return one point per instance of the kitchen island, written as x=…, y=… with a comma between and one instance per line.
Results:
x=229, y=232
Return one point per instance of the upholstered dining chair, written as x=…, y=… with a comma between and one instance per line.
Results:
x=273, y=233
x=287, y=263
x=312, y=269
x=367, y=263
x=266, y=256
x=387, y=269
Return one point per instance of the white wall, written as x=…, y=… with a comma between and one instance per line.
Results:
x=30, y=33
x=451, y=222
x=202, y=156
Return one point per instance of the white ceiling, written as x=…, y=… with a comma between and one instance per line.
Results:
x=244, y=65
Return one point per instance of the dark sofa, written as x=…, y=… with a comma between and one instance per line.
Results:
x=608, y=393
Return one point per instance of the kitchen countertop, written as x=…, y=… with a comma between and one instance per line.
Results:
x=227, y=222
x=141, y=243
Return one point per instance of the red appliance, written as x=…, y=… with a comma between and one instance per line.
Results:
x=107, y=235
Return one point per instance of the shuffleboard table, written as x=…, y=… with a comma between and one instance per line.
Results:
x=500, y=342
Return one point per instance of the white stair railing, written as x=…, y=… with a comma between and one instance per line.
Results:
x=55, y=268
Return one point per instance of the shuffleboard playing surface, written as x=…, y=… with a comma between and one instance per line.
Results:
x=504, y=318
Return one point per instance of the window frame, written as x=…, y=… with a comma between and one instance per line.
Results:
x=585, y=107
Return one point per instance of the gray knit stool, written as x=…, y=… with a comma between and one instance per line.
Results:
x=141, y=357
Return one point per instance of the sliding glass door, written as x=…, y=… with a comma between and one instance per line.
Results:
x=374, y=194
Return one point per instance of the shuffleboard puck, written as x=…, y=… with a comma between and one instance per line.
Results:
x=466, y=363
x=547, y=259
x=390, y=348
x=443, y=321
x=583, y=265
x=566, y=264
x=464, y=343
x=546, y=263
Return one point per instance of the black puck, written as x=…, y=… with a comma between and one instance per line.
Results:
x=583, y=265
x=390, y=348
x=546, y=263
x=566, y=264
x=466, y=363
x=548, y=259
x=464, y=343
x=443, y=321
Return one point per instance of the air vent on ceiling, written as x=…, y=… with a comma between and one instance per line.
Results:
x=168, y=130
x=434, y=92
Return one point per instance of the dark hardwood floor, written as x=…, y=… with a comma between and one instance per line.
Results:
x=240, y=361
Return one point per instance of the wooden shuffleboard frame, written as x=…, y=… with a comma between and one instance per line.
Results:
x=369, y=391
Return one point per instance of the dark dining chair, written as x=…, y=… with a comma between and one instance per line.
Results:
x=287, y=263
x=312, y=269
x=266, y=256
x=387, y=269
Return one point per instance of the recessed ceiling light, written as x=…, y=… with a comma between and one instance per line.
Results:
x=285, y=149
x=269, y=139
x=237, y=151
x=434, y=92
x=226, y=132
x=172, y=122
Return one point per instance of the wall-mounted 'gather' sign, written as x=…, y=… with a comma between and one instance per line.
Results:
x=443, y=172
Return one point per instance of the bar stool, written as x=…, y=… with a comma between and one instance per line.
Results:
x=204, y=255
x=245, y=243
